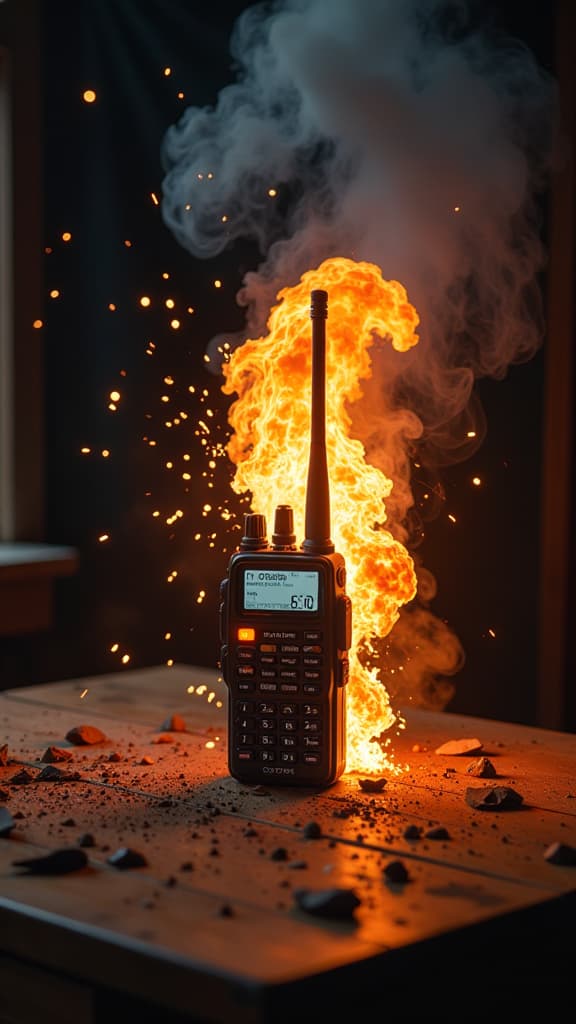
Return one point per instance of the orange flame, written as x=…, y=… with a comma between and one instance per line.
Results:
x=271, y=422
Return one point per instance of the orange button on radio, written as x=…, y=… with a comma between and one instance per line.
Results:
x=246, y=634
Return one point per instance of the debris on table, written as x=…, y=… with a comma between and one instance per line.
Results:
x=437, y=832
x=52, y=755
x=482, y=768
x=456, y=748
x=126, y=858
x=6, y=822
x=412, y=832
x=560, y=853
x=60, y=862
x=85, y=735
x=372, y=785
x=336, y=904
x=493, y=798
x=86, y=840
x=4, y=759
x=280, y=853
x=52, y=774
x=22, y=778
x=312, y=830
x=396, y=872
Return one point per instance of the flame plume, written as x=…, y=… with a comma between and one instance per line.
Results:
x=269, y=446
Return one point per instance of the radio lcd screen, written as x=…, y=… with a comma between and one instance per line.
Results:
x=281, y=590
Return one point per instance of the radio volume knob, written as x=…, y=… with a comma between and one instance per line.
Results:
x=255, y=536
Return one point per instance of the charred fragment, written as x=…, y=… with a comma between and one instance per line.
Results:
x=312, y=830
x=125, y=858
x=438, y=832
x=494, y=798
x=52, y=774
x=4, y=759
x=562, y=854
x=60, y=862
x=482, y=768
x=336, y=904
x=85, y=736
x=174, y=723
x=396, y=872
x=22, y=778
x=372, y=785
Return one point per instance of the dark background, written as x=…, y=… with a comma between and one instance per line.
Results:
x=101, y=164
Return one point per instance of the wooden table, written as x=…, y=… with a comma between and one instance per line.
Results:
x=209, y=930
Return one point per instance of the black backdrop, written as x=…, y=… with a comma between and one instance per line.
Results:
x=102, y=162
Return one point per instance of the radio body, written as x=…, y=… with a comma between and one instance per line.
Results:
x=285, y=629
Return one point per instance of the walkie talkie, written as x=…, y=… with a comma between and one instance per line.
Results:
x=285, y=627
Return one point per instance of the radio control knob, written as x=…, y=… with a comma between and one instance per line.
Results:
x=341, y=575
x=255, y=536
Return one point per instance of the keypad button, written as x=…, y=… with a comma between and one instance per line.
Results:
x=311, y=689
x=311, y=674
x=267, y=659
x=276, y=634
x=268, y=687
x=267, y=739
x=267, y=723
x=245, y=653
x=266, y=709
x=267, y=755
x=245, y=755
x=310, y=725
x=311, y=709
x=246, y=739
x=245, y=723
x=288, y=725
x=268, y=648
x=288, y=741
x=268, y=673
x=245, y=687
x=290, y=649
x=311, y=660
x=245, y=670
x=312, y=649
x=310, y=758
x=244, y=707
x=289, y=673
x=289, y=687
x=288, y=757
x=288, y=709
x=288, y=659
x=312, y=742
x=313, y=634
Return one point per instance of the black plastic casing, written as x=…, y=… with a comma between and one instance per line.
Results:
x=331, y=625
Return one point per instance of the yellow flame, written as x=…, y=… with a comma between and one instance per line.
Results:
x=270, y=420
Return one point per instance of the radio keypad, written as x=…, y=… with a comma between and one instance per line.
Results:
x=287, y=729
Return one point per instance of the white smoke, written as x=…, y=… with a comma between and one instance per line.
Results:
x=395, y=131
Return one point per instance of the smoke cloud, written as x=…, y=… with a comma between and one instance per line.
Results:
x=399, y=132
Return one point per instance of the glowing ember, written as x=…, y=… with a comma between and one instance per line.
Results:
x=270, y=420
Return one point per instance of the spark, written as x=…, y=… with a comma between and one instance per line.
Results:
x=476, y=481
x=115, y=396
x=54, y=294
x=85, y=451
x=457, y=209
x=471, y=433
x=169, y=303
x=155, y=199
x=451, y=517
x=272, y=192
x=167, y=72
x=167, y=636
x=125, y=659
x=89, y=96
x=127, y=243
x=210, y=745
x=114, y=648
x=38, y=324
x=112, y=307
x=105, y=453
x=492, y=634
x=66, y=236
x=83, y=694
x=103, y=537
x=145, y=301
x=174, y=324
x=217, y=283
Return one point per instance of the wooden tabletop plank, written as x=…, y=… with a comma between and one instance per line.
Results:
x=183, y=806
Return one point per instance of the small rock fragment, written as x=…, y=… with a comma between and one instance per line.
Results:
x=455, y=748
x=4, y=759
x=85, y=735
x=438, y=832
x=226, y=911
x=52, y=774
x=336, y=904
x=6, y=821
x=126, y=858
x=557, y=853
x=260, y=791
x=115, y=756
x=174, y=723
x=372, y=785
x=147, y=759
x=482, y=768
x=280, y=853
x=86, y=840
x=312, y=830
x=52, y=755
x=60, y=862
x=493, y=798
x=412, y=832
x=163, y=738
x=298, y=865
x=22, y=778
x=396, y=872
x=187, y=866
x=69, y=823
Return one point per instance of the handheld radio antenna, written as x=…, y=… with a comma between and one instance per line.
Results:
x=317, y=526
